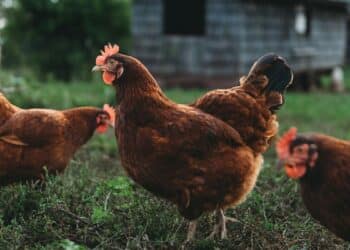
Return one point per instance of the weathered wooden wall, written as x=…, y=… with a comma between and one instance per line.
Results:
x=212, y=55
x=237, y=33
x=270, y=27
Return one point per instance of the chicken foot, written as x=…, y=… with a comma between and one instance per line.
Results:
x=220, y=226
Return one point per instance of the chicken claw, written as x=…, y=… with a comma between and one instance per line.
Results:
x=220, y=227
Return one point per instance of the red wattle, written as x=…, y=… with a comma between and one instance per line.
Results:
x=108, y=77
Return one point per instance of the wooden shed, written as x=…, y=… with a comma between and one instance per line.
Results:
x=214, y=41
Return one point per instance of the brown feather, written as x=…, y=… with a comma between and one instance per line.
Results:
x=246, y=110
x=7, y=109
x=13, y=139
x=325, y=188
x=33, y=139
x=249, y=108
x=177, y=152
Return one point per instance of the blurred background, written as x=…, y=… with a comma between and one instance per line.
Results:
x=47, y=50
x=59, y=39
x=198, y=43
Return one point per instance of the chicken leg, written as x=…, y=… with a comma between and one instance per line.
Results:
x=220, y=227
x=192, y=227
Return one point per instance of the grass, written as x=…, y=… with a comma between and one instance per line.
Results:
x=94, y=206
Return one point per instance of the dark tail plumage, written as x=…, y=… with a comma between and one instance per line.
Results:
x=276, y=69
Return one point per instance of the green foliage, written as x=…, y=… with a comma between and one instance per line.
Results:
x=61, y=38
x=70, y=245
x=100, y=215
x=120, y=185
x=11, y=84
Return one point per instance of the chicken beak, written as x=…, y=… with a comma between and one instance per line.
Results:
x=97, y=68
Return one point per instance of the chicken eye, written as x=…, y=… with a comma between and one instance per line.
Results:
x=300, y=150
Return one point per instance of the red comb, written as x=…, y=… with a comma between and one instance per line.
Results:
x=109, y=50
x=111, y=112
x=282, y=145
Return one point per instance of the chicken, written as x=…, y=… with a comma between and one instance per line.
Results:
x=177, y=152
x=7, y=109
x=250, y=108
x=36, y=138
x=321, y=163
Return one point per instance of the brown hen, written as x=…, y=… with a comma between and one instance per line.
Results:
x=250, y=107
x=36, y=138
x=321, y=163
x=177, y=152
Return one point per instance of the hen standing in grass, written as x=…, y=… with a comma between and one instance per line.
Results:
x=36, y=138
x=322, y=165
x=250, y=107
x=175, y=151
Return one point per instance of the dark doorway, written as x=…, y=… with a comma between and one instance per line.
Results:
x=184, y=17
